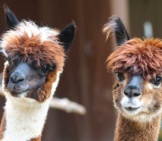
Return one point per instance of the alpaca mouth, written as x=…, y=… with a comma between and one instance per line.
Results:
x=17, y=89
x=19, y=92
x=131, y=109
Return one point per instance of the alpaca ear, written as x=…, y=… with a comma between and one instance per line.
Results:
x=11, y=19
x=115, y=25
x=66, y=36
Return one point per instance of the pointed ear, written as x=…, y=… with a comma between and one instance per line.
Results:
x=11, y=19
x=66, y=36
x=116, y=26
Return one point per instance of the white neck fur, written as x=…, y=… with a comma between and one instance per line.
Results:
x=25, y=117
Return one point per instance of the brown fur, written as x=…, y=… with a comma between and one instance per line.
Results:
x=3, y=125
x=137, y=95
x=129, y=129
x=152, y=99
x=138, y=57
x=45, y=91
x=143, y=57
x=33, y=51
x=133, y=131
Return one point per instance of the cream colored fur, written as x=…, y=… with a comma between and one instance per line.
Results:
x=25, y=117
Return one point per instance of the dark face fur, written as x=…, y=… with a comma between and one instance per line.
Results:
x=137, y=64
x=34, y=57
x=23, y=78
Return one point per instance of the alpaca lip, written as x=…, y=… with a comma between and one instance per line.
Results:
x=131, y=108
x=19, y=92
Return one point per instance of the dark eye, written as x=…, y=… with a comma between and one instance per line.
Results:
x=156, y=81
x=11, y=63
x=45, y=69
x=120, y=76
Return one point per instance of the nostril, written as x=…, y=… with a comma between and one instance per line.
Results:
x=132, y=91
x=15, y=80
x=136, y=94
x=126, y=93
x=17, y=77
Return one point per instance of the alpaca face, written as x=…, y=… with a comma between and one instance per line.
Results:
x=34, y=58
x=137, y=64
x=23, y=78
x=136, y=97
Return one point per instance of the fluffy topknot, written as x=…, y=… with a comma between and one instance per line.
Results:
x=32, y=44
x=138, y=56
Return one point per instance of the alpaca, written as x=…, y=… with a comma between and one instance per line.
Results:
x=34, y=61
x=137, y=94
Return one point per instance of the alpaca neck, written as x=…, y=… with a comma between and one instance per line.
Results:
x=129, y=130
x=24, y=119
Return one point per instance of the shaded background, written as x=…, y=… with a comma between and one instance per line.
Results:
x=85, y=79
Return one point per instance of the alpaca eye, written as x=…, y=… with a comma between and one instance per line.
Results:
x=45, y=68
x=156, y=81
x=10, y=62
x=120, y=76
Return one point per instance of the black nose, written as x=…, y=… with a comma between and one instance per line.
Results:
x=132, y=91
x=17, y=77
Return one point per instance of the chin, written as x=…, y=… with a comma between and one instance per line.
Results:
x=137, y=115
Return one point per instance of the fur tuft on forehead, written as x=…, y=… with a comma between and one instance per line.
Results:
x=35, y=45
x=138, y=56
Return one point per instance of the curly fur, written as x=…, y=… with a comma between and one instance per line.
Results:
x=33, y=45
x=138, y=56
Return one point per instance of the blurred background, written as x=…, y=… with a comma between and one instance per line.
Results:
x=85, y=79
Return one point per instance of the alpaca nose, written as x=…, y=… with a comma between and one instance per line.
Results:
x=17, y=77
x=132, y=91
x=134, y=87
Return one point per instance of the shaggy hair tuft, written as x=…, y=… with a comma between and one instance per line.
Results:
x=38, y=46
x=138, y=56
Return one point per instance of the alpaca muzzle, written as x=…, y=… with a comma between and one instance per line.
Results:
x=131, y=102
x=134, y=87
x=17, y=82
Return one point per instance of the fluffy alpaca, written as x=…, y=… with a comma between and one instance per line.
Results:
x=137, y=94
x=34, y=61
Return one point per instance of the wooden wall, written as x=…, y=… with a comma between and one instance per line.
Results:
x=85, y=79
x=142, y=11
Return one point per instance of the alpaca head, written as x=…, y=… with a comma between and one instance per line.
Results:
x=34, y=58
x=137, y=63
